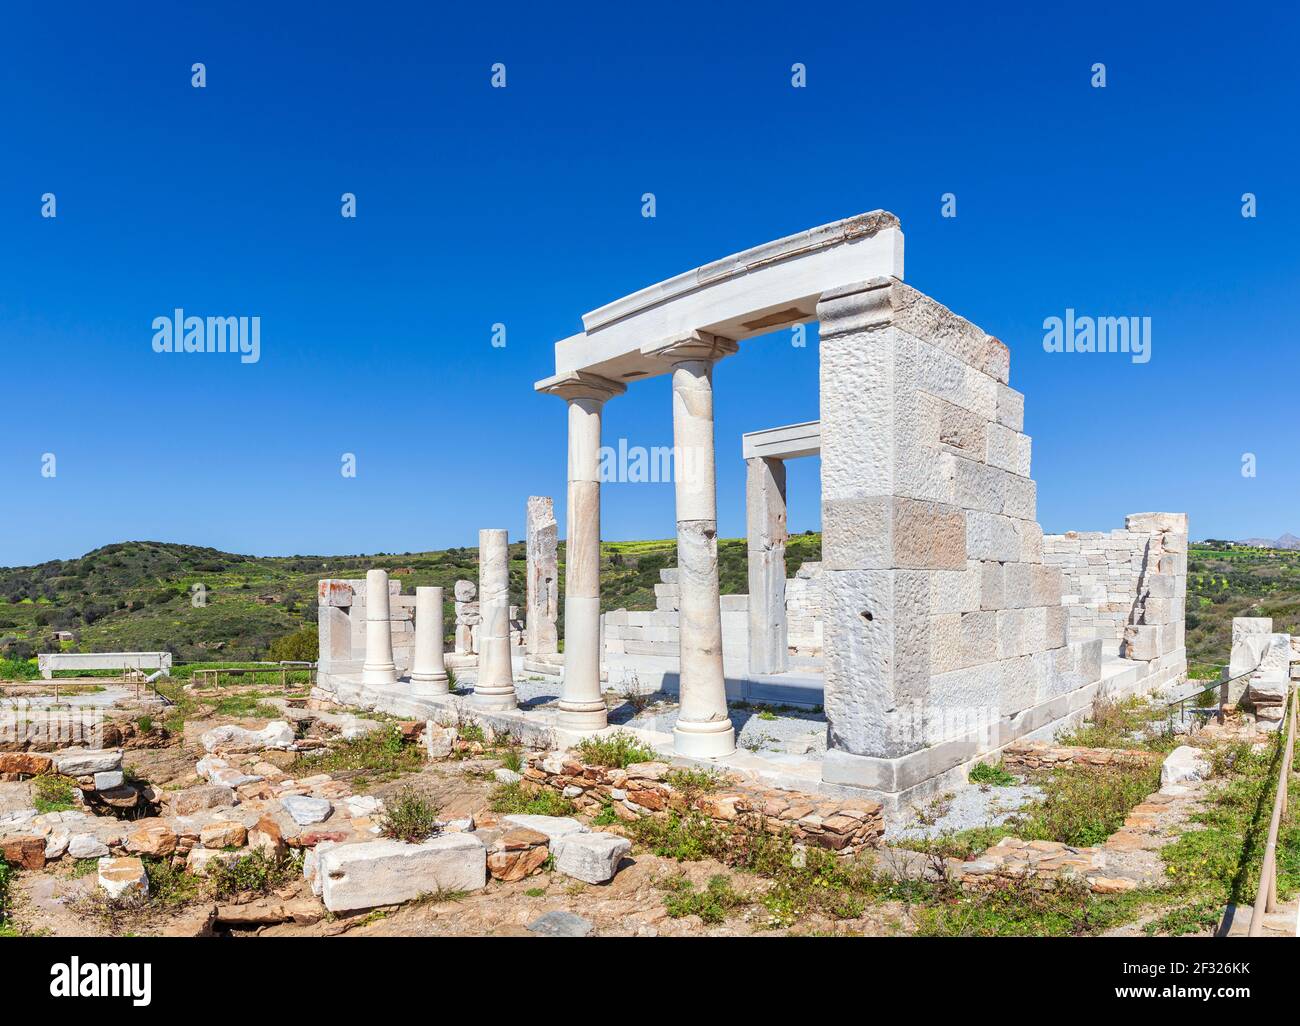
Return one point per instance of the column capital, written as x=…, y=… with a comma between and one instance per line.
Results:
x=691, y=345
x=581, y=385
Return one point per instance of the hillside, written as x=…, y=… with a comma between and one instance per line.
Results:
x=141, y=596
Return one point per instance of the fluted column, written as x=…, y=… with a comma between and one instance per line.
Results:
x=581, y=706
x=379, y=667
x=428, y=672
x=495, y=688
x=703, y=725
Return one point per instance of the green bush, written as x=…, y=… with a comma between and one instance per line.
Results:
x=255, y=872
x=712, y=904
x=302, y=646
x=18, y=669
x=518, y=800
x=617, y=750
x=54, y=793
x=985, y=773
x=409, y=817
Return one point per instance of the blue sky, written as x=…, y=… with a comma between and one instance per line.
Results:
x=523, y=206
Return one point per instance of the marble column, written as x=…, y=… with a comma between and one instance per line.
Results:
x=704, y=727
x=765, y=531
x=495, y=689
x=543, y=591
x=428, y=672
x=379, y=667
x=581, y=707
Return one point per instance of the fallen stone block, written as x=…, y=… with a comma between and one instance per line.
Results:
x=1184, y=765
x=218, y=771
x=24, y=764
x=269, y=911
x=109, y=780
x=28, y=852
x=360, y=805
x=438, y=741
x=561, y=924
x=85, y=762
x=157, y=839
x=306, y=811
x=224, y=833
x=86, y=846
x=196, y=799
x=506, y=776
x=592, y=858
x=552, y=826
x=517, y=853
x=230, y=738
x=358, y=876
x=199, y=861
x=123, y=879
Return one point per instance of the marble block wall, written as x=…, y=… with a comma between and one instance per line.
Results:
x=1126, y=587
x=945, y=635
x=341, y=622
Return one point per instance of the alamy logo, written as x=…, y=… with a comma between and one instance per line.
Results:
x=103, y=979
x=1074, y=334
x=181, y=334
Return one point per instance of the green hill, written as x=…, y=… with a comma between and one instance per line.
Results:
x=145, y=596
x=142, y=595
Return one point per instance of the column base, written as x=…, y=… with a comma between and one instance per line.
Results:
x=495, y=701
x=430, y=683
x=709, y=740
x=379, y=674
x=582, y=716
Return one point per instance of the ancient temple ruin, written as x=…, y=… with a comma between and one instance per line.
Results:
x=940, y=624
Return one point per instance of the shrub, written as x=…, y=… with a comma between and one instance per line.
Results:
x=18, y=669
x=54, y=793
x=255, y=872
x=694, y=783
x=711, y=905
x=518, y=800
x=409, y=817
x=617, y=750
x=512, y=759
x=380, y=754
x=985, y=773
x=301, y=646
x=6, y=875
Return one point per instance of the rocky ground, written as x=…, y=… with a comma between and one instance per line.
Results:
x=226, y=787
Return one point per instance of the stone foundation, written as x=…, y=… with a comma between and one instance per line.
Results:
x=1037, y=756
x=845, y=826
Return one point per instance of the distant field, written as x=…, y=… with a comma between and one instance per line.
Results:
x=1226, y=582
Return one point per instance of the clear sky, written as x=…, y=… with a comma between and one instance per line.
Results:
x=522, y=206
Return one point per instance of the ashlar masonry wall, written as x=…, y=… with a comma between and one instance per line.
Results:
x=1127, y=587
x=341, y=623
x=945, y=635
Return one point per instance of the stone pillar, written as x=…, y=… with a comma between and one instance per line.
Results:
x=703, y=725
x=379, y=667
x=428, y=673
x=581, y=706
x=765, y=529
x=543, y=592
x=496, y=680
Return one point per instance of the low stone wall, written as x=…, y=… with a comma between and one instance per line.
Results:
x=1035, y=755
x=845, y=826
